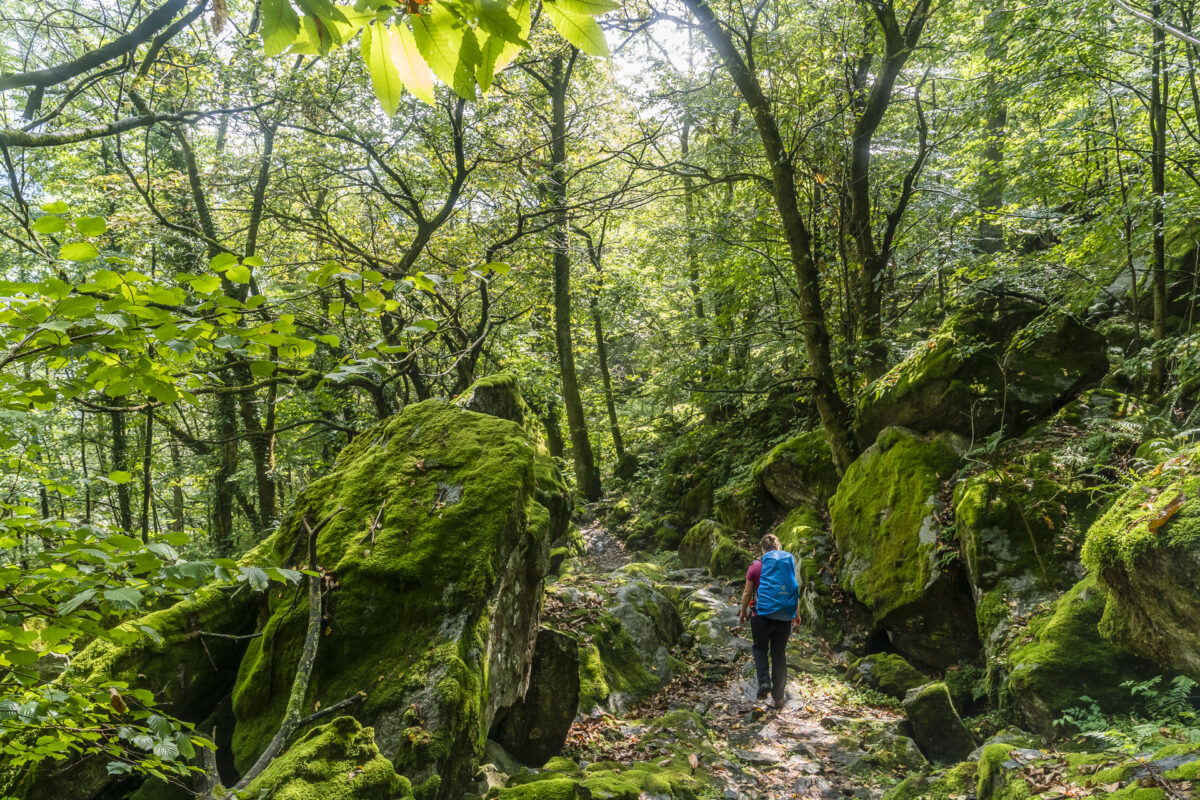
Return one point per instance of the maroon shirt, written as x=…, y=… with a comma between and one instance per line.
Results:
x=754, y=575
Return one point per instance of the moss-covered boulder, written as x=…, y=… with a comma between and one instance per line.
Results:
x=336, y=761
x=535, y=728
x=990, y=363
x=626, y=631
x=1145, y=549
x=744, y=506
x=798, y=471
x=1017, y=527
x=885, y=523
x=709, y=545
x=936, y=726
x=887, y=673
x=1061, y=657
x=432, y=614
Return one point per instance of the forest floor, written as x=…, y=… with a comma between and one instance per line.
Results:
x=827, y=742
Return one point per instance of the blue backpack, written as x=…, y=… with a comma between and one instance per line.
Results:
x=778, y=592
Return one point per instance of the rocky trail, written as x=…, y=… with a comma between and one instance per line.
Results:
x=825, y=743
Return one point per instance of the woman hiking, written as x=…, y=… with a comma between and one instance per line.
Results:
x=770, y=601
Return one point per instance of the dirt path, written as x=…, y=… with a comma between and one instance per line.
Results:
x=823, y=744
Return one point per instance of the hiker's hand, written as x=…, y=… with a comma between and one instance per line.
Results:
x=741, y=618
x=796, y=623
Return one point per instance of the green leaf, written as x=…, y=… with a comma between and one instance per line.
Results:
x=222, y=261
x=78, y=251
x=414, y=73
x=124, y=598
x=56, y=207
x=449, y=48
x=49, y=224
x=385, y=78
x=256, y=578
x=280, y=24
x=262, y=369
x=498, y=267
x=578, y=29
x=592, y=8
x=120, y=476
x=206, y=284
x=75, y=602
x=238, y=274
x=91, y=226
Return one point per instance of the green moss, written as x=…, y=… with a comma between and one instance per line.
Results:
x=560, y=764
x=1014, y=523
x=609, y=780
x=593, y=687
x=883, y=518
x=887, y=673
x=1152, y=575
x=950, y=784
x=457, y=493
x=708, y=544
x=337, y=761
x=1062, y=658
x=552, y=789
x=996, y=783
x=991, y=362
x=799, y=470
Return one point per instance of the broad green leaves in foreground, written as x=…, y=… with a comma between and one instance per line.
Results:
x=465, y=43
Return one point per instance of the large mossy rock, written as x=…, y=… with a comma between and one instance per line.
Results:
x=745, y=506
x=989, y=363
x=887, y=673
x=1018, y=528
x=936, y=726
x=885, y=524
x=337, y=761
x=708, y=545
x=798, y=471
x=1145, y=550
x=434, y=614
x=1062, y=658
x=626, y=631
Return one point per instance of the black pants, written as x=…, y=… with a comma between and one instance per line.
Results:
x=770, y=638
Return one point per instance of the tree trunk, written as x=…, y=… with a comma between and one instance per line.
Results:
x=223, y=489
x=120, y=460
x=594, y=255
x=587, y=472
x=1158, y=159
x=178, y=509
x=835, y=415
x=147, y=486
x=989, y=236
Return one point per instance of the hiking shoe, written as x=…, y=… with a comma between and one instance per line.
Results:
x=764, y=689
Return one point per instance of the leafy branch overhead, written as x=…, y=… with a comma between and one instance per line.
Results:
x=464, y=43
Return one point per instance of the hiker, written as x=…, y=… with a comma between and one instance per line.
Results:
x=771, y=600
